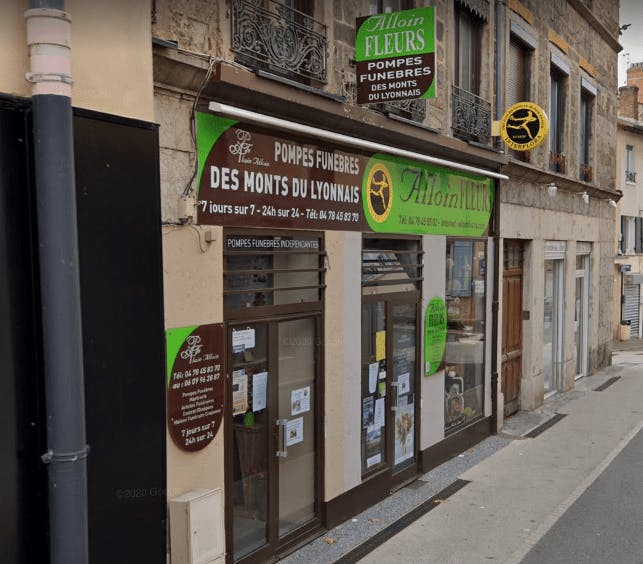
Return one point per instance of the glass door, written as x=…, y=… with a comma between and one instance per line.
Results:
x=404, y=319
x=251, y=437
x=580, y=314
x=296, y=421
x=552, y=325
x=274, y=490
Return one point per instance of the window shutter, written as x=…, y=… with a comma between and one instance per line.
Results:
x=637, y=235
x=516, y=73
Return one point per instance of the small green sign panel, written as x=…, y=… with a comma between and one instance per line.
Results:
x=435, y=335
x=403, y=196
x=395, y=54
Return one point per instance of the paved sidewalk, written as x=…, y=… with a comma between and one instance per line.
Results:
x=514, y=487
x=516, y=495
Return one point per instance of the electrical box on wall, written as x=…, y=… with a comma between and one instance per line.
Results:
x=196, y=527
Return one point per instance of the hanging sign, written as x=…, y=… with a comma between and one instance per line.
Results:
x=195, y=384
x=395, y=54
x=524, y=126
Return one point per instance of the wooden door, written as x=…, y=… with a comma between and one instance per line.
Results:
x=512, y=325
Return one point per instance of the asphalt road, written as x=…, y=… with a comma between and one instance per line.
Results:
x=605, y=524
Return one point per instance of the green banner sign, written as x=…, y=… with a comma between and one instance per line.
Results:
x=435, y=335
x=395, y=54
x=403, y=196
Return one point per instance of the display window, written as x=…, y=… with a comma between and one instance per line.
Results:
x=466, y=272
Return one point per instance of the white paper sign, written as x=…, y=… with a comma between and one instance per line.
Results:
x=373, y=369
x=243, y=339
x=478, y=286
x=295, y=431
x=403, y=384
x=373, y=460
x=378, y=415
x=300, y=401
x=259, y=390
x=239, y=392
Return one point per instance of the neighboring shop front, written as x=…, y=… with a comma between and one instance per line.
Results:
x=344, y=320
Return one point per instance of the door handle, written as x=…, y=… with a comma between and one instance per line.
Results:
x=282, y=451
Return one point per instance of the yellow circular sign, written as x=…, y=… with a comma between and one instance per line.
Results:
x=524, y=126
x=380, y=193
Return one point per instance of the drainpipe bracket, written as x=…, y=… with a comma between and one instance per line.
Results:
x=73, y=456
x=37, y=77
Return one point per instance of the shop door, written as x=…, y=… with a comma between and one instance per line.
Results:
x=389, y=401
x=631, y=308
x=512, y=325
x=581, y=309
x=273, y=442
x=553, y=325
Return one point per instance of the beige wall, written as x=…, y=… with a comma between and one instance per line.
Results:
x=105, y=35
x=193, y=296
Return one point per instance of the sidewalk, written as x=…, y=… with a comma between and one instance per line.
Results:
x=496, y=500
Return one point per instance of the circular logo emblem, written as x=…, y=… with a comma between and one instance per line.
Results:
x=524, y=126
x=380, y=193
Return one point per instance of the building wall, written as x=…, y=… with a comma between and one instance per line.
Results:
x=107, y=77
x=586, y=43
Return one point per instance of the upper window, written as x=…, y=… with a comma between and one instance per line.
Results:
x=630, y=174
x=585, y=127
x=387, y=6
x=557, y=125
x=518, y=79
x=468, y=46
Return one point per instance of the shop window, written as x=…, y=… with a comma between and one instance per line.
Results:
x=272, y=270
x=557, y=122
x=466, y=267
x=391, y=265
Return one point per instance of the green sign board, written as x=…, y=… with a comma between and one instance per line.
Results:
x=403, y=196
x=395, y=54
x=435, y=335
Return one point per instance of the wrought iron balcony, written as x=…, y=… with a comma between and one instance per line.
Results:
x=415, y=110
x=273, y=37
x=586, y=173
x=471, y=116
x=630, y=176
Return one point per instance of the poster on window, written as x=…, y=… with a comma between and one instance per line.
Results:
x=404, y=431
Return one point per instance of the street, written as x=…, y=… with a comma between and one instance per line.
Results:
x=570, y=494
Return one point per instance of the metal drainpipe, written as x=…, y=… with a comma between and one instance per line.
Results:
x=48, y=37
x=499, y=87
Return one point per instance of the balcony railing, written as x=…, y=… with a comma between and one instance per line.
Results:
x=557, y=162
x=415, y=110
x=630, y=176
x=471, y=116
x=273, y=37
x=586, y=173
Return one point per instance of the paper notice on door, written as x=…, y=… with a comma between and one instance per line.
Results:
x=373, y=370
x=243, y=339
x=373, y=460
x=295, y=431
x=239, y=392
x=259, y=390
x=403, y=384
x=380, y=345
x=378, y=415
x=300, y=401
